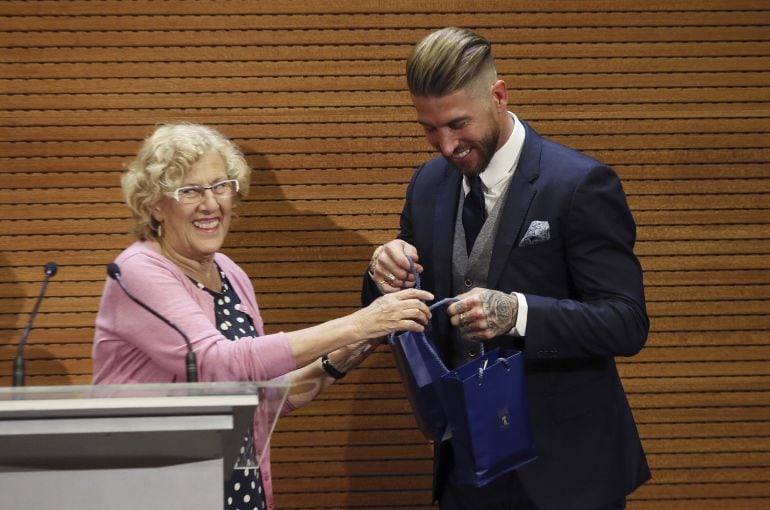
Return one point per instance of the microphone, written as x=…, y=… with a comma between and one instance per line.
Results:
x=18, y=363
x=191, y=364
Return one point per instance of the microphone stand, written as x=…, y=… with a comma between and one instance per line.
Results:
x=18, y=363
x=191, y=364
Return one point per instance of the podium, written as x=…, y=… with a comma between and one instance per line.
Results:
x=129, y=446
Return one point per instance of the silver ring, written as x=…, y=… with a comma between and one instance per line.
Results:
x=462, y=319
x=391, y=278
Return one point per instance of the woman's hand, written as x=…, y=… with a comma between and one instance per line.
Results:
x=399, y=311
x=309, y=381
x=346, y=358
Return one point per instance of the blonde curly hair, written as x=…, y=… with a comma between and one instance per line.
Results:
x=162, y=163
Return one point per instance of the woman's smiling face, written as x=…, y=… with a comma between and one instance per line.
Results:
x=197, y=231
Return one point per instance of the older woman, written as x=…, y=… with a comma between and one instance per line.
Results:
x=181, y=189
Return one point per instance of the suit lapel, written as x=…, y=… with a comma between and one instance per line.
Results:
x=447, y=195
x=517, y=201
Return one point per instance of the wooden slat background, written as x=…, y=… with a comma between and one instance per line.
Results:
x=675, y=94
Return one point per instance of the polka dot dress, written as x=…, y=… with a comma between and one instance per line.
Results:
x=231, y=320
x=244, y=490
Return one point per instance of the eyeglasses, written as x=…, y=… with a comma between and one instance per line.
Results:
x=195, y=194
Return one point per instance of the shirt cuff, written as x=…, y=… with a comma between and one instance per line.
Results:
x=520, y=328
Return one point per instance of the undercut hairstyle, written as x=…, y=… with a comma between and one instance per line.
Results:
x=162, y=162
x=448, y=60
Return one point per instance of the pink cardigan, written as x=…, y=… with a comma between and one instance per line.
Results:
x=132, y=346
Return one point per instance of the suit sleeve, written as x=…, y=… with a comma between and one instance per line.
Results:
x=369, y=290
x=605, y=313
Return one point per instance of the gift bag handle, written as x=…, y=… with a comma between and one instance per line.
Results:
x=437, y=304
x=484, y=367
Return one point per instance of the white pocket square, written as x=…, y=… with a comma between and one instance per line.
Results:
x=538, y=232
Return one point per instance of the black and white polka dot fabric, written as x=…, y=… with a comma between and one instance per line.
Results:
x=243, y=491
x=231, y=320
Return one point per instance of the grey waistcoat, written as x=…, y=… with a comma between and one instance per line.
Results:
x=470, y=271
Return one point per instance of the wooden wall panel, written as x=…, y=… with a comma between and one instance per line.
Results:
x=674, y=94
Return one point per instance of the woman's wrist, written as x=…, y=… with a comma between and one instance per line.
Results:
x=345, y=359
x=330, y=369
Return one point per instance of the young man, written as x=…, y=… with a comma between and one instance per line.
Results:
x=537, y=241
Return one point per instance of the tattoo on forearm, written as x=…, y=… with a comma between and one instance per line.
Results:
x=499, y=309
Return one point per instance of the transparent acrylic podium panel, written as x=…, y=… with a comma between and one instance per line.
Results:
x=182, y=439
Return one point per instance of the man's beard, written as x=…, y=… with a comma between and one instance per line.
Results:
x=485, y=149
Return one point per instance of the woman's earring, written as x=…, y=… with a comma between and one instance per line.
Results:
x=156, y=227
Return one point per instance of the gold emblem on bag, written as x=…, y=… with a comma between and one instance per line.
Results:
x=504, y=418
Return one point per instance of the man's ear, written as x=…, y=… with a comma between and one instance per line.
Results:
x=500, y=95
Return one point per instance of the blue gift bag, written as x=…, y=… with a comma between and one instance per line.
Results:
x=480, y=407
x=420, y=368
x=486, y=409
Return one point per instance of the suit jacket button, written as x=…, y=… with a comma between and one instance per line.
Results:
x=472, y=353
x=468, y=282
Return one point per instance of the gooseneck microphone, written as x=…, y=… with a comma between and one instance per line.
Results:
x=192, y=366
x=18, y=363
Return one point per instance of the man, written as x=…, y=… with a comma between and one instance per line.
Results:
x=548, y=268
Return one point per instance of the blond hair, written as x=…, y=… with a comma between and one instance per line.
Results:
x=448, y=60
x=162, y=163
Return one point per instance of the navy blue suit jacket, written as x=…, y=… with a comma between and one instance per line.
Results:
x=586, y=305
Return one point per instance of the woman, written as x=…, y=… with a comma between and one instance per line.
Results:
x=181, y=189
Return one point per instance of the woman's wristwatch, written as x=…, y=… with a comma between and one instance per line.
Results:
x=329, y=368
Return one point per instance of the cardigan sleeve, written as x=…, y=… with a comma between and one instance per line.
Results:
x=131, y=345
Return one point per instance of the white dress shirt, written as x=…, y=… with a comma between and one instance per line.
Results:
x=495, y=179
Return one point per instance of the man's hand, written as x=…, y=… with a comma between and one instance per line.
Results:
x=390, y=268
x=482, y=314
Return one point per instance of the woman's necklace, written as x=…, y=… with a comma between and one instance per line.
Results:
x=206, y=273
x=209, y=277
